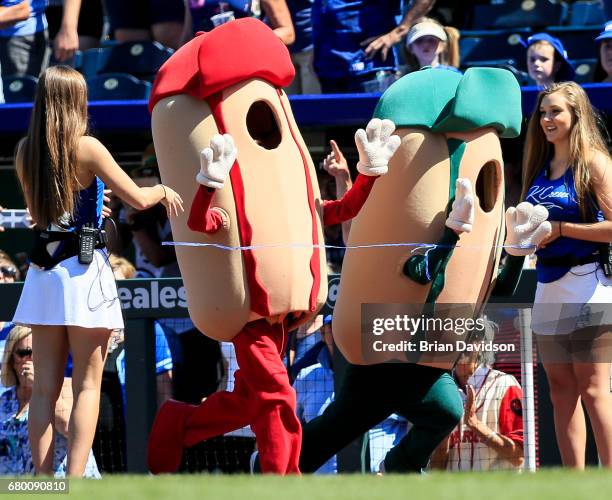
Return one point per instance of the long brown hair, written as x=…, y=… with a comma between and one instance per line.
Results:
x=449, y=56
x=49, y=161
x=585, y=138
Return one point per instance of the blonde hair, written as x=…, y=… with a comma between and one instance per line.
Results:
x=450, y=55
x=48, y=169
x=557, y=58
x=7, y=375
x=123, y=265
x=585, y=138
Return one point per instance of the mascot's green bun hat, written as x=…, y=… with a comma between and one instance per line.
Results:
x=446, y=101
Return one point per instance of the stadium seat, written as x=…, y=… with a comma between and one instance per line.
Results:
x=19, y=88
x=93, y=60
x=521, y=76
x=117, y=87
x=585, y=68
x=587, y=12
x=579, y=42
x=503, y=45
x=518, y=13
x=73, y=62
x=141, y=59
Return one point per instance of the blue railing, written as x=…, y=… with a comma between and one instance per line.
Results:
x=309, y=110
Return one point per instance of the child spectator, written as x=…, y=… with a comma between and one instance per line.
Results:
x=603, y=71
x=547, y=60
x=428, y=43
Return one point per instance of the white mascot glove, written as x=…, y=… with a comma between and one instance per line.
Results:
x=376, y=146
x=526, y=227
x=216, y=161
x=461, y=216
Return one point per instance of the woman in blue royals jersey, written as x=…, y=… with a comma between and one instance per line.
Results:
x=567, y=168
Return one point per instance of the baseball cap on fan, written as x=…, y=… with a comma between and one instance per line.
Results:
x=425, y=28
x=566, y=71
x=606, y=33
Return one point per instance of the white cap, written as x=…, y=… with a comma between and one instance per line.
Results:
x=425, y=28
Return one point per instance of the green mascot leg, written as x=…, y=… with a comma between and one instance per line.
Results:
x=433, y=418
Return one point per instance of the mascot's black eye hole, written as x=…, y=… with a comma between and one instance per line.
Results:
x=263, y=126
x=487, y=186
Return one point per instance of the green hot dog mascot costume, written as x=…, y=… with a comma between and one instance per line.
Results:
x=445, y=187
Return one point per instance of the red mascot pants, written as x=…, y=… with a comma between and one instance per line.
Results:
x=262, y=397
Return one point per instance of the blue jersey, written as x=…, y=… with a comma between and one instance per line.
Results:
x=301, y=15
x=163, y=359
x=560, y=198
x=88, y=205
x=35, y=23
x=87, y=208
x=339, y=27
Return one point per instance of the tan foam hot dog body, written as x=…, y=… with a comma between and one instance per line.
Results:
x=433, y=109
x=271, y=199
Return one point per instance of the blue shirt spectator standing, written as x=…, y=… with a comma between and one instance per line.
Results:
x=353, y=39
x=24, y=44
x=302, y=50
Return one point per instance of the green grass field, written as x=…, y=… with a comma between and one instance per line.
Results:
x=554, y=484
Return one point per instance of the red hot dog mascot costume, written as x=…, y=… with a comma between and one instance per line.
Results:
x=219, y=116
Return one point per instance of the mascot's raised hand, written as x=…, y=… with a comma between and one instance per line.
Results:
x=216, y=161
x=376, y=146
x=527, y=226
x=461, y=216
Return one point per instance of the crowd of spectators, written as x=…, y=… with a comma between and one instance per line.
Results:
x=336, y=45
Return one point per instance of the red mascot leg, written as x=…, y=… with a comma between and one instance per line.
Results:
x=179, y=424
x=262, y=397
x=274, y=421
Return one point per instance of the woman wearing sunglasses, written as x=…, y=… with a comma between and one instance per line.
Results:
x=17, y=374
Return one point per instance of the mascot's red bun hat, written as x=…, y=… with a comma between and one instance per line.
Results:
x=231, y=53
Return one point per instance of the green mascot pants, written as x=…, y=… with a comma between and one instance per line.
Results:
x=427, y=397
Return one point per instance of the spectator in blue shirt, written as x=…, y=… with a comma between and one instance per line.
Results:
x=302, y=50
x=24, y=36
x=163, y=367
x=353, y=39
x=123, y=269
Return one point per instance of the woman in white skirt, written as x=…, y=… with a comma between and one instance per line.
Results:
x=70, y=298
x=567, y=168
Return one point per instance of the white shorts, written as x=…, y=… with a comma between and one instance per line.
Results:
x=581, y=298
x=71, y=294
